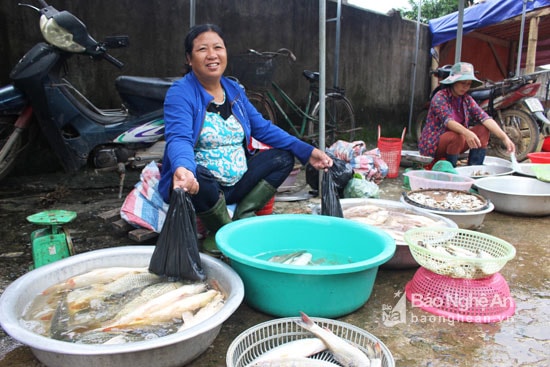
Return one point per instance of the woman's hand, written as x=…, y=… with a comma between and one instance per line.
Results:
x=510, y=147
x=184, y=179
x=472, y=139
x=320, y=160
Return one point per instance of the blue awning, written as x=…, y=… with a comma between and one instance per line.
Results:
x=491, y=12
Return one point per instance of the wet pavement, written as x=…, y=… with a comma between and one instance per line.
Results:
x=415, y=337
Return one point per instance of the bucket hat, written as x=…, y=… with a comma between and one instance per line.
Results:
x=462, y=71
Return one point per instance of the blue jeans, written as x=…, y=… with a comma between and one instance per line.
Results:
x=272, y=165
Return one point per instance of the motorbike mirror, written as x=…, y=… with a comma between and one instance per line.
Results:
x=116, y=41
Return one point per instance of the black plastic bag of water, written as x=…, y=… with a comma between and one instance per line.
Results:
x=176, y=254
x=342, y=172
x=330, y=202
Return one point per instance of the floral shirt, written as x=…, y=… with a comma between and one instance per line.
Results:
x=443, y=108
x=220, y=148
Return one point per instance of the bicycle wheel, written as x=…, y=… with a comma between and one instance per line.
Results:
x=522, y=129
x=419, y=123
x=263, y=105
x=339, y=119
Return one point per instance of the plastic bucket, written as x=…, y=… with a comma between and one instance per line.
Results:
x=390, y=151
x=268, y=208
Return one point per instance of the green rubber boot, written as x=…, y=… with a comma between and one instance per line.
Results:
x=254, y=200
x=213, y=219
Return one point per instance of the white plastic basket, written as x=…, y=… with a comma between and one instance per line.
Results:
x=257, y=340
x=428, y=246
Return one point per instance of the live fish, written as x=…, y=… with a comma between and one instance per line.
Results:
x=298, y=348
x=100, y=275
x=121, y=305
x=173, y=308
x=294, y=258
x=80, y=298
x=344, y=353
x=294, y=362
x=191, y=319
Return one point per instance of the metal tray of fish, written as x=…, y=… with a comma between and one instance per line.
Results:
x=446, y=200
x=411, y=157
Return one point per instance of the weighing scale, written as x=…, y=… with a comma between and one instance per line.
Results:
x=54, y=242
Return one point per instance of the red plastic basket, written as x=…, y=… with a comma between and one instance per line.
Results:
x=390, y=150
x=482, y=300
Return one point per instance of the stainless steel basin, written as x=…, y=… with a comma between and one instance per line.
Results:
x=174, y=350
x=516, y=195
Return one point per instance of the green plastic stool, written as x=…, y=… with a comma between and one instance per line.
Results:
x=54, y=242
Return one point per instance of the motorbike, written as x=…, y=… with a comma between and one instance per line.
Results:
x=513, y=105
x=42, y=100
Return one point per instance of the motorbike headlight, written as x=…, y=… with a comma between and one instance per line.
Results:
x=58, y=36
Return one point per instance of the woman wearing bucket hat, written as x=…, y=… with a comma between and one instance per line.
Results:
x=455, y=122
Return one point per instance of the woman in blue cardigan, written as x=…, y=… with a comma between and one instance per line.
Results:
x=209, y=122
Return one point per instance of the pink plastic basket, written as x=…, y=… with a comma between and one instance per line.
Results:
x=482, y=300
x=390, y=151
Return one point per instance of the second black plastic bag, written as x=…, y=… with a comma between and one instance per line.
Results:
x=176, y=254
x=330, y=202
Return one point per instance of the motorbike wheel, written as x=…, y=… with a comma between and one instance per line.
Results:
x=11, y=144
x=419, y=124
x=521, y=128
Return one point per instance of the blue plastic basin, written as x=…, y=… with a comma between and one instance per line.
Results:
x=349, y=252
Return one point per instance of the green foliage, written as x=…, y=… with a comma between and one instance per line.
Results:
x=431, y=9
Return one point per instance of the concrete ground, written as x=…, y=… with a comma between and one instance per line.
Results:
x=416, y=338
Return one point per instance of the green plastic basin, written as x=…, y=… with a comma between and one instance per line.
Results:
x=348, y=254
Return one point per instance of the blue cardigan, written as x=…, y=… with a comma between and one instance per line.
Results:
x=184, y=112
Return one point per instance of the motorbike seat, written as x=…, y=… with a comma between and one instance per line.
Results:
x=481, y=94
x=150, y=87
x=143, y=94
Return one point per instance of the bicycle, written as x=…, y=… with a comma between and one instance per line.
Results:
x=254, y=70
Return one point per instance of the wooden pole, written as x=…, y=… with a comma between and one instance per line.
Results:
x=531, y=56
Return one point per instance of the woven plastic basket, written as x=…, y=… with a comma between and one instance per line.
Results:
x=390, y=151
x=253, y=71
x=466, y=300
x=458, y=253
x=255, y=341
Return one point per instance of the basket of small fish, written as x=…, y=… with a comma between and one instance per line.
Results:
x=459, y=253
x=304, y=341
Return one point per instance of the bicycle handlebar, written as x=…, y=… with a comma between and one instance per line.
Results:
x=271, y=54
